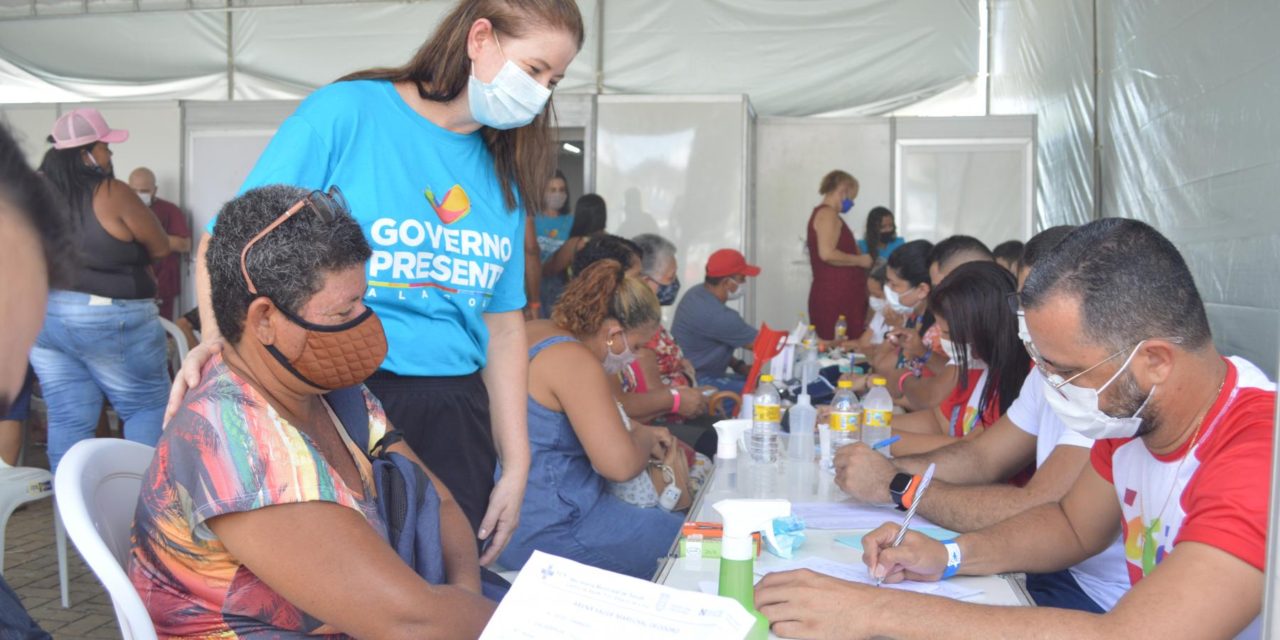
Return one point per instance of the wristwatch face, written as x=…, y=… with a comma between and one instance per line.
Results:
x=899, y=483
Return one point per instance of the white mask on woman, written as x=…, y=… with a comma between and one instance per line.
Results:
x=615, y=363
x=895, y=301
x=556, y=200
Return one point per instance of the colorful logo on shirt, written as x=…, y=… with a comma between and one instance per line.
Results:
x=455, y=206
x=1143, y=545
x=555, y=233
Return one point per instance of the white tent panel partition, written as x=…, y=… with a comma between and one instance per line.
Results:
x=679, y=166
x=974, y=176
x=792, y=156
x=29, y=124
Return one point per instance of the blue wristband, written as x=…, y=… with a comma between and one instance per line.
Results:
x=953, y=558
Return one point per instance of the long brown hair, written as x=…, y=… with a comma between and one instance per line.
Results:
x=522, y=157
x=602, y=291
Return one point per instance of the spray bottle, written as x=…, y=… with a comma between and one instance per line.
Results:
x=728, y=433
x=742, y=518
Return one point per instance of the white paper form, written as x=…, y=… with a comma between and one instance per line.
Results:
x=558, y=598
x=857, y=572
x=850, y=515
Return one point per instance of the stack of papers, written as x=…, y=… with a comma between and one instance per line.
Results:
x=561, y=599
x=858, y=573
x=850, y=515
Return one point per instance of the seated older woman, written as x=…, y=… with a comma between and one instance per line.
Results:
x=257, y=515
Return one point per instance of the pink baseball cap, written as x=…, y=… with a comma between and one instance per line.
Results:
x=84, y=126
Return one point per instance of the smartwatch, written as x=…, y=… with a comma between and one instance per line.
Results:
x=902, y=489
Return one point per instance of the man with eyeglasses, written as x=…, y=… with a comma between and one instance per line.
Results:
x=1181, y=470
x=968, y=491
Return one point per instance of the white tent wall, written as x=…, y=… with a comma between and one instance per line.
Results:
x=1187, y=141
x=1191, y=144
x=817, y=56
x=681, y=167
x=792, y=156
x=1042, y=63
x=155, y=137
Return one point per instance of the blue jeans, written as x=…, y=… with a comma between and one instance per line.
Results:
x=85, y=351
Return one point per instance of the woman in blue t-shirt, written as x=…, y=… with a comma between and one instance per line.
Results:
x=552, y=226
x=440, y=161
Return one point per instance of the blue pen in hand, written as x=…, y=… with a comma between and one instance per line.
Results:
x=915, y=502
x=886, y=442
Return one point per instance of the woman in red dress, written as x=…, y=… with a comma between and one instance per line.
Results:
x=839, y=270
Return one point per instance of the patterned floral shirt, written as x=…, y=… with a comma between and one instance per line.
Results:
x=228, y=451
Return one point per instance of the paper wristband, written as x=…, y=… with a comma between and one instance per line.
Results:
x=675, y=401
x=953, y=558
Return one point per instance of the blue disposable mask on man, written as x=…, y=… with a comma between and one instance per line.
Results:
x=667, y=292
x=511, y=100
x=846, y=205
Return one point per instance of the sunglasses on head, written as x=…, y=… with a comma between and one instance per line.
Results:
x=326, y=205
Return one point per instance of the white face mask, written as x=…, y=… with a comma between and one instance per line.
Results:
x=877, y=304
x=1078, y=408
x=555, y=201
x=737, y=294
x=954, y=352
x=1023, y=333
x=511, y=100
x=614, y=363
x=895, y=301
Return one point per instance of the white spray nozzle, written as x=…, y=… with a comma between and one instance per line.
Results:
x=744, y=517
x=728, y=432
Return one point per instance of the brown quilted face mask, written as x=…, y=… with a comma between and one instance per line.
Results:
x=336, y=356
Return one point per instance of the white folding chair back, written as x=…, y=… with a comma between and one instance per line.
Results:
x=18, y=486
x=98, y=484
x=179, y=341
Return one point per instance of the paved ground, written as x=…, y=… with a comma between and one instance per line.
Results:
x=31, y=568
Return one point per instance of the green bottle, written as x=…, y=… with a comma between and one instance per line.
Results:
x=742, y=518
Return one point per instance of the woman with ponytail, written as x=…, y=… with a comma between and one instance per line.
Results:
x=577, y=435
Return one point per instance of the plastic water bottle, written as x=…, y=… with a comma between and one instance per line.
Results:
x=803, y=419
x=809, y=368
x=846, y=416
x=877, y=412
x=766, y=422
x=842, y=328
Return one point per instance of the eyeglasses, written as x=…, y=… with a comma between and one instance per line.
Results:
x=326, y=205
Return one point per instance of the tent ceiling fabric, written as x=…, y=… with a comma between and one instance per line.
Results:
x=796, y=58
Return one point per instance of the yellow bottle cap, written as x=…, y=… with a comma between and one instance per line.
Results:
x=845, y=384
x=766, y=378
x=879, y=381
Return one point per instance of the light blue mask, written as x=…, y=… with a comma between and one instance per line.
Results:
x=513, y=99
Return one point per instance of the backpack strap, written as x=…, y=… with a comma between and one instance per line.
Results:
x=348, y=404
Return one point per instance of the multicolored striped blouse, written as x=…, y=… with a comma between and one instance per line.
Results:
x=228, y=451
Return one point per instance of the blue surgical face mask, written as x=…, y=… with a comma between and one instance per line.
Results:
x=511, y=100
x=667, y=292
x=846, y=205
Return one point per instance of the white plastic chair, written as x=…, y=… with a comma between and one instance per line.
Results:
x=18, y=486
x=98, y=484
x=179, y=341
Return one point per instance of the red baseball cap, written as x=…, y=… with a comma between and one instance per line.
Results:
x=84, y=126
x=727, y=262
